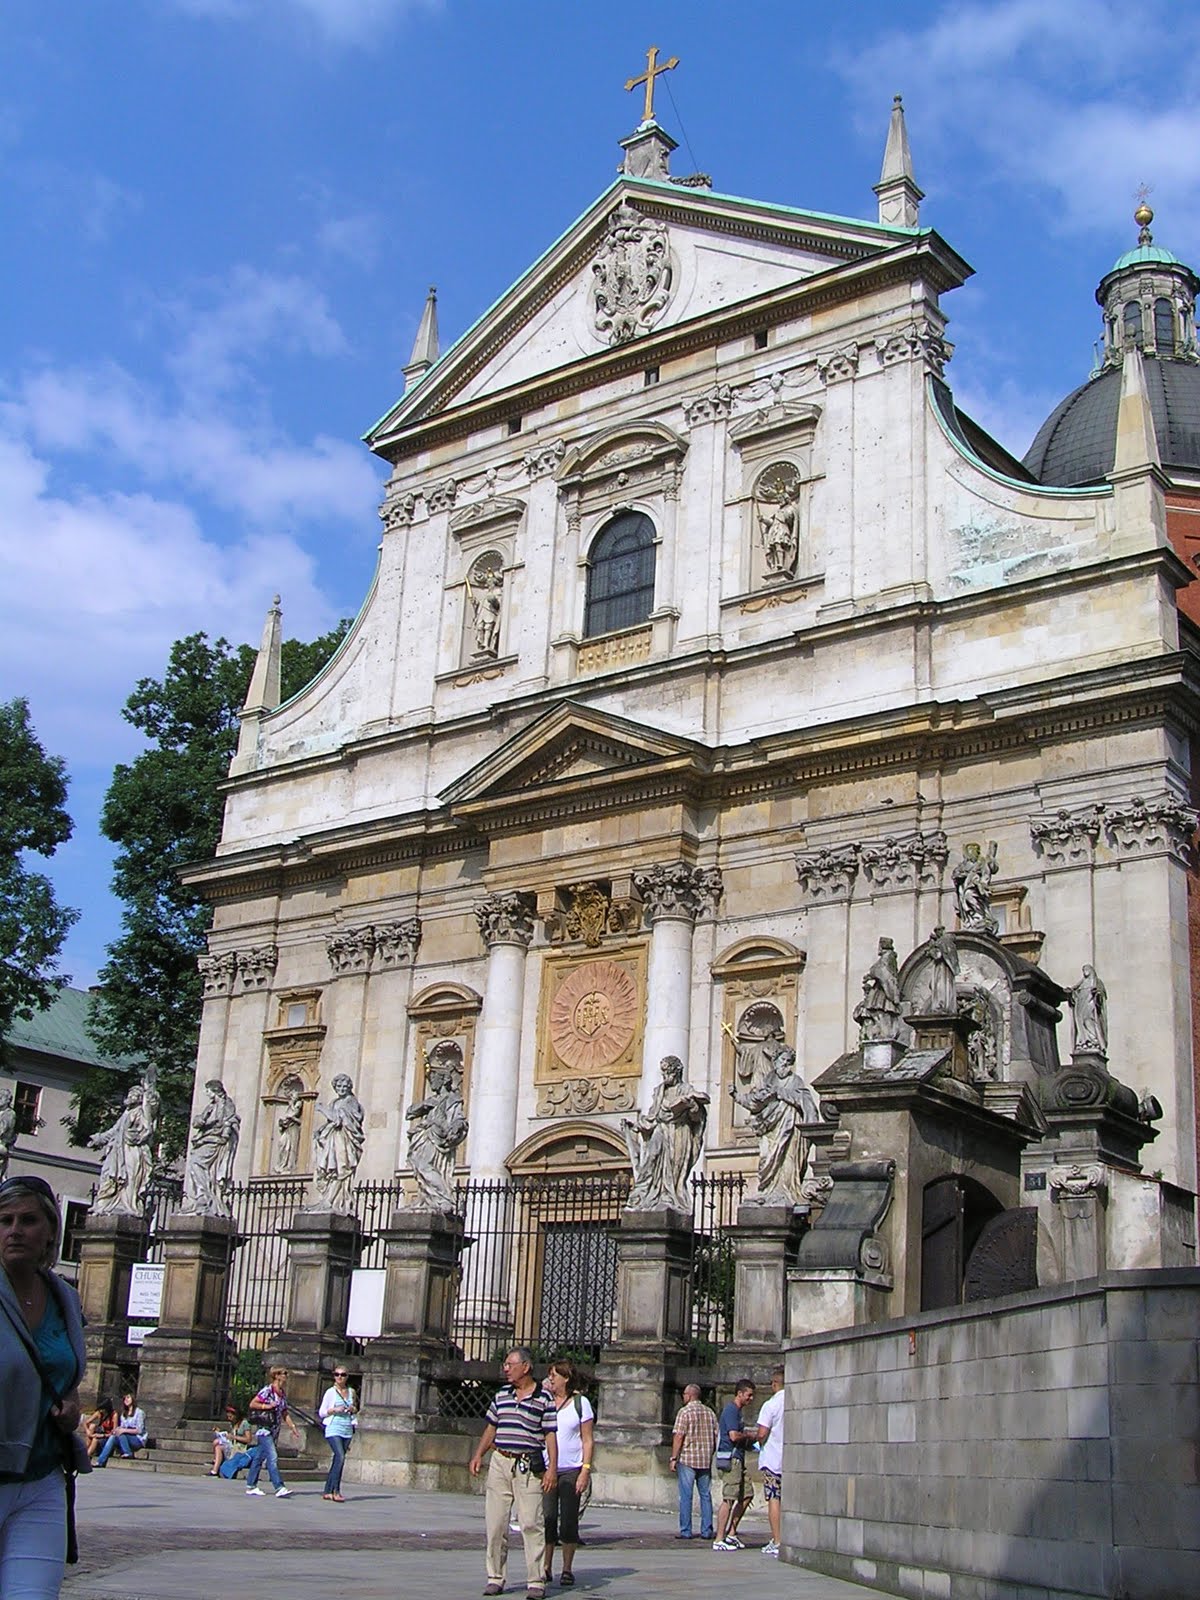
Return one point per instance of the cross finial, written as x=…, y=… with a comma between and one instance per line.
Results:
x=653, y=70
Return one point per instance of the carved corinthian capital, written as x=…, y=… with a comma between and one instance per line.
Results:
x=1067, y=838
x=255, y=966
x=916, y=860
x=675, y=889
x=350, y=949
x=713, y=404
x=217, y=973
x=506, y=918
x=397, y=942
x=828, y=874
x=835, y=366
x=1150, y=827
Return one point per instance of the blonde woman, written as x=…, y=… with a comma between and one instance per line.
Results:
x=576, y=1423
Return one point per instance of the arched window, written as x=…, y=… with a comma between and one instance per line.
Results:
x=1164, y=327
x=620, y=582
x=1133, y=322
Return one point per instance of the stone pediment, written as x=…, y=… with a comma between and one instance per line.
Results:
x=646, y=257
x=569, y=749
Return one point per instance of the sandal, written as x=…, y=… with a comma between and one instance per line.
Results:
x=212, y=1474
x=494, y=1588
x=566, y=1580
x=340, y=1498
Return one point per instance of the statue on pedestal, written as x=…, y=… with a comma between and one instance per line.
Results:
x=339, y=1147
x=1089, y=1014
x=942, y=998
x=665, y=1142
x=439, y=1126
x=208, y=1173
x=880, y=1010
x=972, y=888
x=8, y=1130
x=128, y=1146
x=779, y=1107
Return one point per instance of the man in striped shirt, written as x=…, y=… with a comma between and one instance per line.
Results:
x=522, y=1423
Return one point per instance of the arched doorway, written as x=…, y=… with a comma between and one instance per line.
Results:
x=954, y=1212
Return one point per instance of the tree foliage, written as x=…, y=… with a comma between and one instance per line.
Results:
x=33, y=821
x=163, y=810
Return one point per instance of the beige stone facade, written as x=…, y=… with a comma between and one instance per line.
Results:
x=871, y=640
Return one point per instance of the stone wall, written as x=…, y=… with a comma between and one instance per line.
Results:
x=1037, y=1447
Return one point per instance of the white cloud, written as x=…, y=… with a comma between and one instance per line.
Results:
x=356, y=238
x=345, y=22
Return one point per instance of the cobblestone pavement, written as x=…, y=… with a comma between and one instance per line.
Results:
x=155, y=1536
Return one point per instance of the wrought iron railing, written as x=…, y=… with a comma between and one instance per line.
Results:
x=373, y=1205
x=715, y=1201
x=163, y=1197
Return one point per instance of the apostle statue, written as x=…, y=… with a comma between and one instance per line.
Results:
x=439, y=1126
x=972, y=888
x=942, y=953
x=486, y=593
x=879, y=1012
x=8, y=1130
x=339, y=1146
x=779, y=1107
x=128, y=1145
x=287, y=1146
x=777, y=511
x=208, y=1173
x=665, y=1142
x=1089, y=1014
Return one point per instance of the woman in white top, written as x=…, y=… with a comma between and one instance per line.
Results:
x=337, y=1411
x=575, y=1440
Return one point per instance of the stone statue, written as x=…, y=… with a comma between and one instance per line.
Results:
x=439, y=1126
x=8, y=1130
x=208, y=1174
x=758, y=1040
x=339, y=1147
x=779, y=1107
x=777, y=511
x=486, y=589
x=942, y=998
x=665, y=1142
x=287, y=1146
x=128, y=1146
x=1089, y=1014
x=972, y=888
x=879, y=1012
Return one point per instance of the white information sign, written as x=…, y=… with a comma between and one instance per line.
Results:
x=145, y=1290
x=365, y=1319
x=137, y=1335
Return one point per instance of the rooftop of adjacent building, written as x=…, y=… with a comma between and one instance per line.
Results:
x=61, y=1030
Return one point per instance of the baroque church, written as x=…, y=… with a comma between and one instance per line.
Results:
x=708, y=637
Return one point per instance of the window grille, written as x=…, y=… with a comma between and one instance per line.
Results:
x=620, y=588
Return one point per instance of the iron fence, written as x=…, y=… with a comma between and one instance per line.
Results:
x=715, y=1202
x=373, y=1206
x=163, y=1198
x=257, y=1281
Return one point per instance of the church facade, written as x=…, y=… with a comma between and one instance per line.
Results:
x=707, y=637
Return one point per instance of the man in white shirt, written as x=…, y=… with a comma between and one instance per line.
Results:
x=770, y=1455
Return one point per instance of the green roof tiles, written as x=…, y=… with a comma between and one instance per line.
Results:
x=61, y=1030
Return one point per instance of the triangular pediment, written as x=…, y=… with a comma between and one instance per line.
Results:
x=645, y=258
x=568, y=748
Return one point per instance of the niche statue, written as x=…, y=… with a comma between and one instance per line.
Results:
x=439, y=1126
x=665, y=1142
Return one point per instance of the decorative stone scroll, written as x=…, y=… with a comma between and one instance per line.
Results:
x=217, y=973
x=582, y=1097
x=1078, y=1182
x=828, y=874
x=676, y=889
x=544, y=458
x=506, y=918
x=915, y=860
x=835, y=366
x=632, y=276
x=256, y=965
x=1068, y=838
x=1149, y=827
x=710, y=406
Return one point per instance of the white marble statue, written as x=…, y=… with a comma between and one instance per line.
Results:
x=779, y=1107
x=486, y=591
x=128, y=1146
x=287, y=1146
x=665, y=1142
x=338, y=1145
x=208, y=1173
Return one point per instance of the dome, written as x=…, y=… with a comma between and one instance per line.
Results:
x=1076, y=444
x=1146, y=255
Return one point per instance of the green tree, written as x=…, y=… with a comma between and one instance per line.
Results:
x=163, y=810
x=33, y=821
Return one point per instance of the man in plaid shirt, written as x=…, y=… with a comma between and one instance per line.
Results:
x=694, y=1438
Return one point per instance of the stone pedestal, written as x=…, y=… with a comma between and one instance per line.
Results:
x=423, y=1253
x=767, y=1240
x=652, y=1333
x=324, y=1249
x=182, y=1358
x=111, y=1244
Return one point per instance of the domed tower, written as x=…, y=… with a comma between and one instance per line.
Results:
x=1149, y=303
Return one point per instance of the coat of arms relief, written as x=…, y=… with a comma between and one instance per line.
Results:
x=633, y=276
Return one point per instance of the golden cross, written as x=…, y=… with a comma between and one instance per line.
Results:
x=653, y=70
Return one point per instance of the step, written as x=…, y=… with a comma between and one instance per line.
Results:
x=294, y=1471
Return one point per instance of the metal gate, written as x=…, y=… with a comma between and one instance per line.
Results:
x=257, y=1282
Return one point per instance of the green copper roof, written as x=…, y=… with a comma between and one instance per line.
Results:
x=1146, y=255
x=62, y=1031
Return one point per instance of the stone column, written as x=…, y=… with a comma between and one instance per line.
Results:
x=506, y=925
x=324, y=1249
x=182, y=1357
x=385, y=1042
x=112, y=1242
x=674, y=894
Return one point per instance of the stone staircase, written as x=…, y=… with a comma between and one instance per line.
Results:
x=187, y=1449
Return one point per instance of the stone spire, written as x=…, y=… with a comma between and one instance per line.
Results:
x=899, y=197
x=425, y=345
x=263, y=693
x=1137, y=441
x=1139, y=510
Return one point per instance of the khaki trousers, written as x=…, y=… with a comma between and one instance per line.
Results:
x=506, y=1487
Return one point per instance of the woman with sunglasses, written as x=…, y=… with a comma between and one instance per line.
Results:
x=337, y=1411
x=576, y=1440
x=41, y=1363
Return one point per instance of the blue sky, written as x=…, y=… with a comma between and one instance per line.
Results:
x=222, y=217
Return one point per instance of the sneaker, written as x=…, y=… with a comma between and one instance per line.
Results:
x=257, y=1491
x=723, y=1544
x=770, y=1548
x=734, y=1543
x=282, y=1493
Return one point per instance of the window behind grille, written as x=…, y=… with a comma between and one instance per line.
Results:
x=620, y=588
